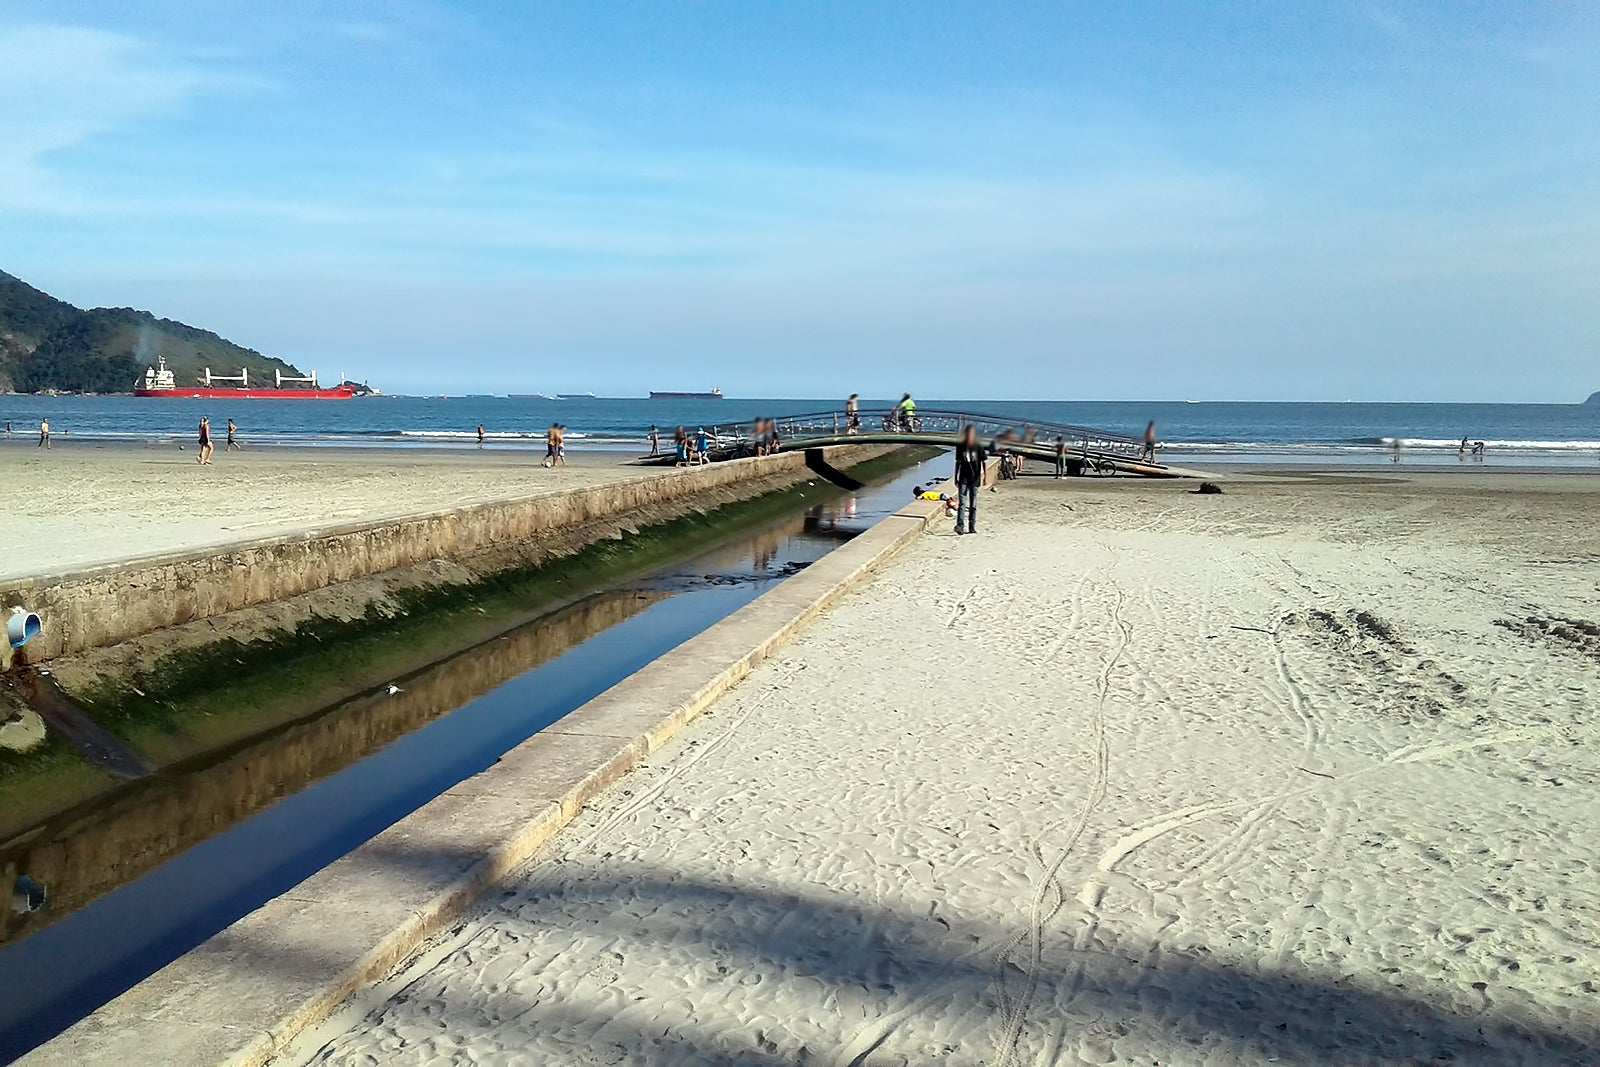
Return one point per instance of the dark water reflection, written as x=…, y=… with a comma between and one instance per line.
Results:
x=93, y=851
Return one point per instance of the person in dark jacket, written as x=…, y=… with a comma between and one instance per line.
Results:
x=970, y=459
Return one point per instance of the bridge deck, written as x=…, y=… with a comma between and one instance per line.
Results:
x=1088, y=451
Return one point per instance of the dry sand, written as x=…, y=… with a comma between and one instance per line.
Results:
x=81, y=505
x=1302, y=773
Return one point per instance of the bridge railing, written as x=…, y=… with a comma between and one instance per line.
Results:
x=822, y=425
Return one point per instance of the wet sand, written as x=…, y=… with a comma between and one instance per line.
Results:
x=1305, y=773
x=87, y=504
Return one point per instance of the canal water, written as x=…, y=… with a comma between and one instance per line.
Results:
x=334, y=782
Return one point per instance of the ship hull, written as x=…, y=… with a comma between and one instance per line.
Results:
x=343, y=392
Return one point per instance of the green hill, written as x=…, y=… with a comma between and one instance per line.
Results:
x=47, y=343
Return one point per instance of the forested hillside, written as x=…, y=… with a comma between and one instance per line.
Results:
x=47, y=343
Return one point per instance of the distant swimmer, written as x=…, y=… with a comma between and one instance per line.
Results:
x=1149, y=453
x=44, y=434
x=233, y=438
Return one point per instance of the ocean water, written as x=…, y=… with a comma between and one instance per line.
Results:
x=1564, y=435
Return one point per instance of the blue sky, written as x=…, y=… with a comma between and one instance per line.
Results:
x=1126, y=201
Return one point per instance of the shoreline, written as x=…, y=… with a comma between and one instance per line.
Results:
x=511, y=447
x=89, y=504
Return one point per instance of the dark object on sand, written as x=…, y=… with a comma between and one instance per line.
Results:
x=1209, y=488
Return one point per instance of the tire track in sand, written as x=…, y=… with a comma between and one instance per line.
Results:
x=869, y=1040
x=1048, y=896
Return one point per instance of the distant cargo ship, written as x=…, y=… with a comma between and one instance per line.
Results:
x=575, y=396
x=715, y=394
x=159, y=381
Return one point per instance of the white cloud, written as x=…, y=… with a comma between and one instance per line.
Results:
x=60, y=87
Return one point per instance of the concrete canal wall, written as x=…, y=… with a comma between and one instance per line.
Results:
x=104, y=606
x=247, y=992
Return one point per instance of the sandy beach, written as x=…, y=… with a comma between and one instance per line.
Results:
x=84, y=504
x=1301, y=773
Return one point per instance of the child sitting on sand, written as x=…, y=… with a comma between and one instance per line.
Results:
x=919, y=493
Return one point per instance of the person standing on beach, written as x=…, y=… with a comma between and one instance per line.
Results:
x=852, y=414
x=1149, y=453
x=1061, y=456
x=561, y=447
x=550, y=437
x=44, y=434
x=205, y=441
x=655, y=440
x=970, y=460
x=233, y=438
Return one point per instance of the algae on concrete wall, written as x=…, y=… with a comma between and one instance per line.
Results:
x=201, y=700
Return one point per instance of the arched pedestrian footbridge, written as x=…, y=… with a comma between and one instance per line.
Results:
x=1089, y=451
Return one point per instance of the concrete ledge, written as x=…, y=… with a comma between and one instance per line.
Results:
x=101, y=606
x=240, y=997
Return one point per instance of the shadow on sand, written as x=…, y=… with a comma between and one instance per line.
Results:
x=879, y=981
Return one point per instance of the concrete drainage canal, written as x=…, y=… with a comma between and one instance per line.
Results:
x=138, y=877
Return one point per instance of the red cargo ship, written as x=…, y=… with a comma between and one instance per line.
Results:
x=158, y=381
